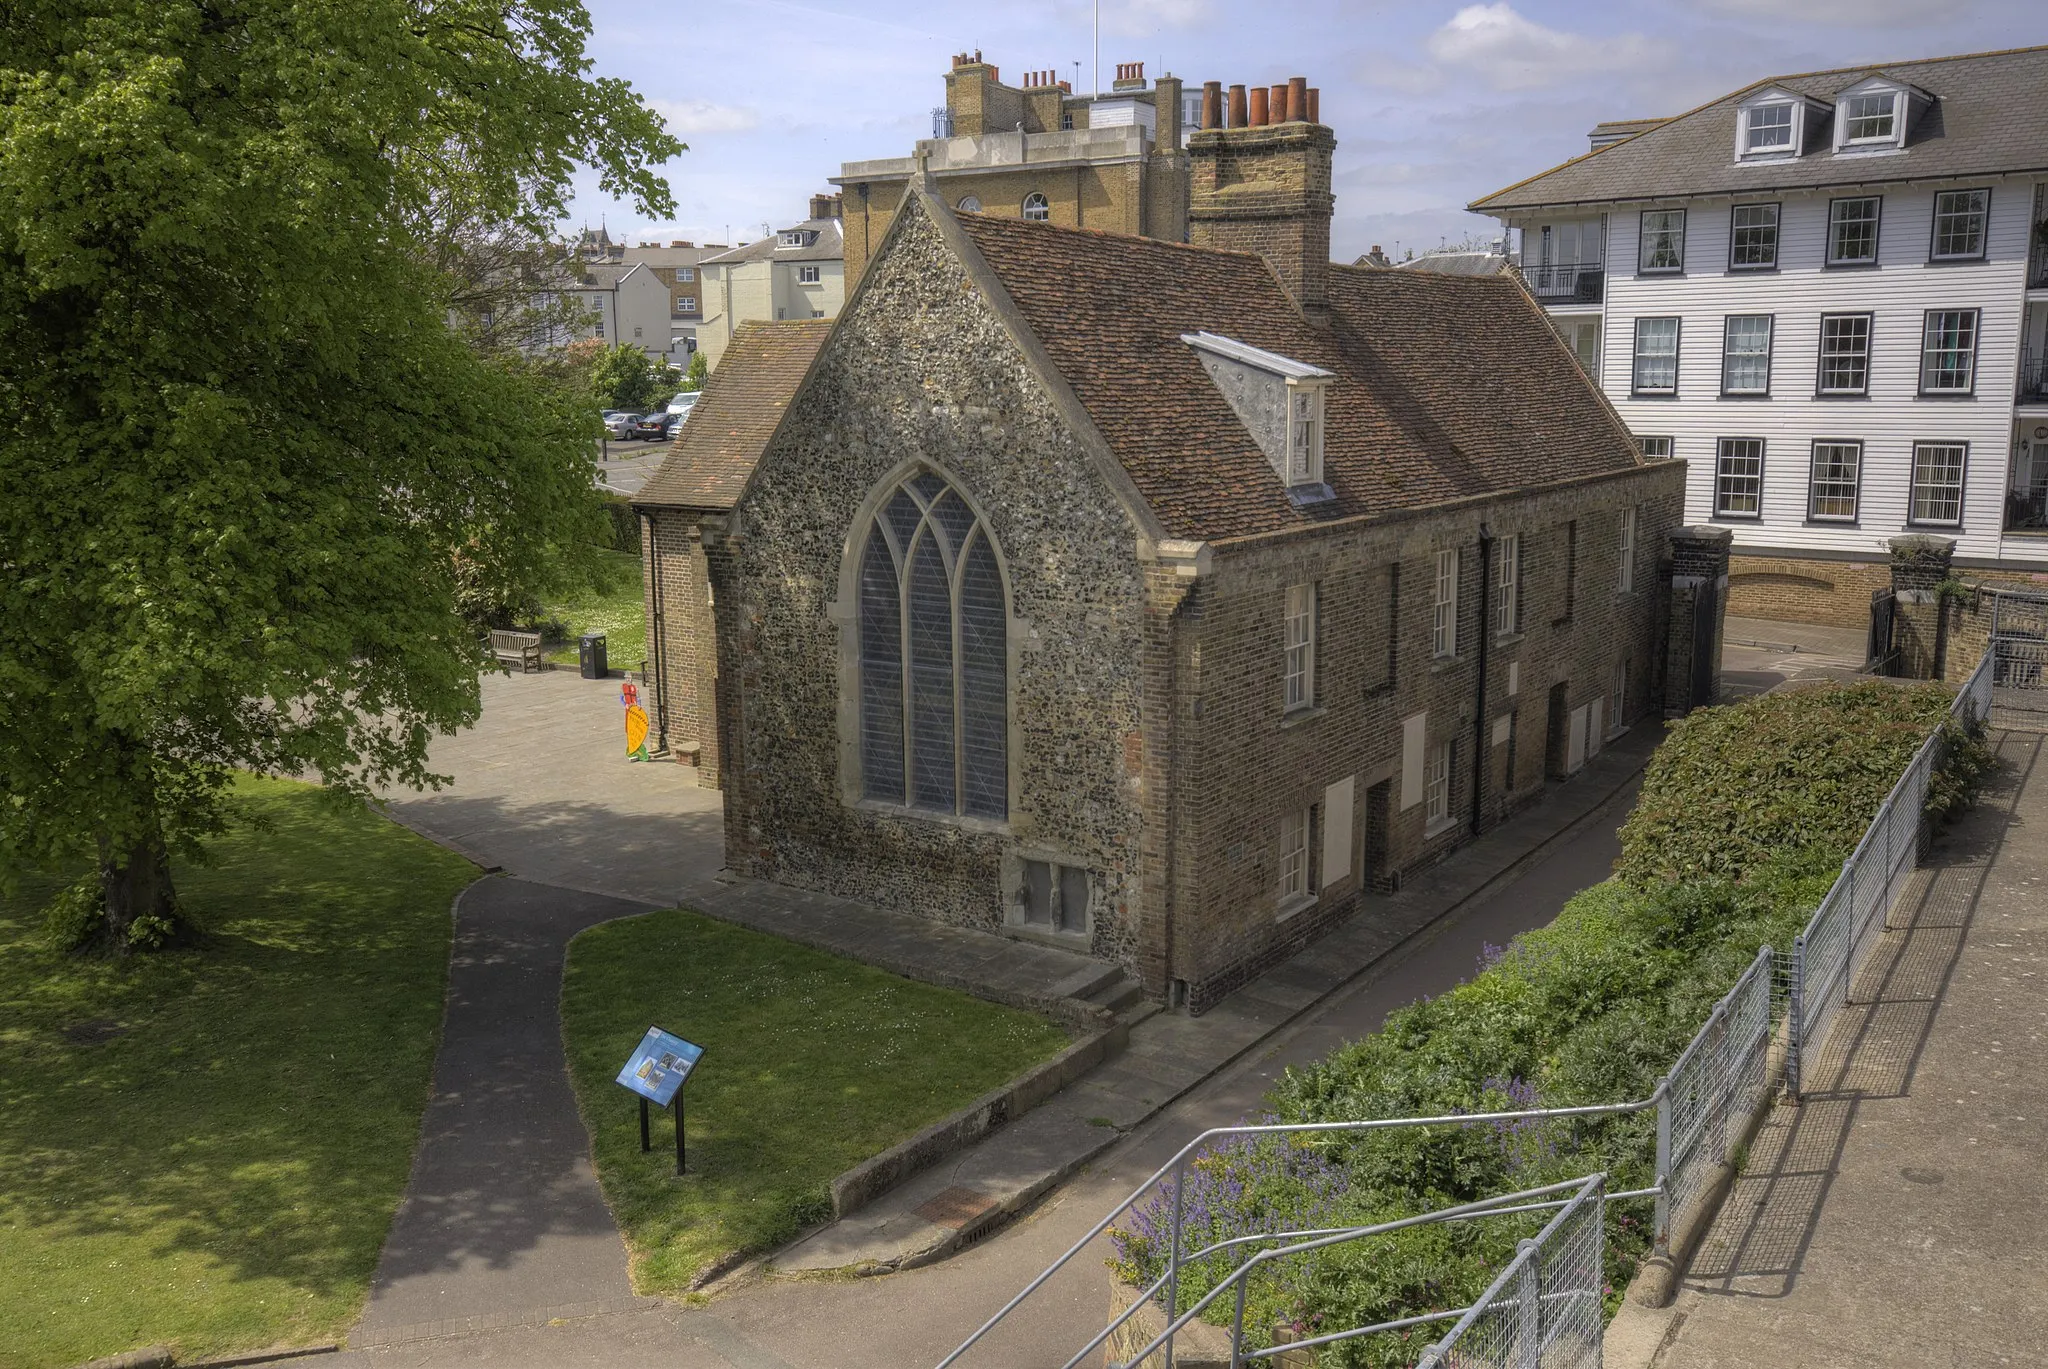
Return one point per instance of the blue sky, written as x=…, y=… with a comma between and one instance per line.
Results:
x=1434, y=104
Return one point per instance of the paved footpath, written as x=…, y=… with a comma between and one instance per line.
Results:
x=503, y=1213
x=1896, y=1217
x=915, y=1317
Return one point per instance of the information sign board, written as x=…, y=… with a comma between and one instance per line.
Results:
x=659, y=1065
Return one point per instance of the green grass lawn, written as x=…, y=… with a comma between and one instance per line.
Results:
x=613, y=608
x=205, y=1148
x=812, y=1063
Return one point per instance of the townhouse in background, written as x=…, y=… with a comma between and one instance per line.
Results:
x=1166, y=603
x=1828, y=293
x=648, y=295
x=1115, y=161
x=797, y=272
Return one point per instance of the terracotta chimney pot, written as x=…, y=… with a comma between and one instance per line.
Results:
x=1276, y=104
x=1314, y=114
x=1297, y=99
x=1238, y=117
x=1261, y=113
x=1212, y=104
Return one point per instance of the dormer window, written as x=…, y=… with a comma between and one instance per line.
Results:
x=1870, y=118
x=795, y=237
x=1773, y=123
x=1304, y=434
x=1768, y=128
x=1281, y=403
x=1873, y=114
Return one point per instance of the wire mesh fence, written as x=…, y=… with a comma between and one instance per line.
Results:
x=1544, y=1310
x=1718, y=1083
x=1838, y=939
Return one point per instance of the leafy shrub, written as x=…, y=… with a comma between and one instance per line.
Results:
x=1751, y=809
x=1732, y=787
x=75, y=914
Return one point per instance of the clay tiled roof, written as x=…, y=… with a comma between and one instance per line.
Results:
x=1989, y=117
x=708, y=464
x=1447, y=385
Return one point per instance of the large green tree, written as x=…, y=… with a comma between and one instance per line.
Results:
x=242, y=448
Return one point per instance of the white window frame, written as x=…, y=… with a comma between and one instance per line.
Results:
x=1821, y=385
x=808, y=275
x=1625, y=582
x=1982, y=215
x=969, y=204
x=1831, y=450
x=1617, y=695
x=1507, y=588
x=686, y=304
x=1643, y=266
x=1295, y=888
x=1654, y=448
x=1037, y=207
x=1919, y=509
x=1730, y=357
x=1436, y=787
x=1635, y=379
x=1750, y=146
x=685, y=275
x=1753, y=479
x=1299, y=659
x=1443, y=629
x=1848, y=114
x=1304, y=434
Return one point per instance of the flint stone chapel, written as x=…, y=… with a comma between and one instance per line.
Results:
x=1163, y=602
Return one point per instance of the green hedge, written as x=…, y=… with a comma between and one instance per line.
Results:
x=1590, y=1009
x=1733, y=787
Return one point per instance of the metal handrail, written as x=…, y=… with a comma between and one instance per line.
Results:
x=1175, y=1165
x=1241, y=1276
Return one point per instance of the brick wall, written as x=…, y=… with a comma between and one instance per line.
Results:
x=1248, y=762
x=1267, y=190
x=681, y=649
x=1805, y=590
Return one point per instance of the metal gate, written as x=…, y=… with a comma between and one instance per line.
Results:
x=2019, y=641
x=1880, y=657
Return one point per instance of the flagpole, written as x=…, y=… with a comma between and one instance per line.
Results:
x=1098, y=48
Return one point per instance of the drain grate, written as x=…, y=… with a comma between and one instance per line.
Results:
x=955, y=1207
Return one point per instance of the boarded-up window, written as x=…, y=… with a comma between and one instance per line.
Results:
x=934, y=656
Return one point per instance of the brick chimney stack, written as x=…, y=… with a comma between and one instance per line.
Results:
x=1263, y=185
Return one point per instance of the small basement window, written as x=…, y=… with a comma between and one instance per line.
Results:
x=1054, y=897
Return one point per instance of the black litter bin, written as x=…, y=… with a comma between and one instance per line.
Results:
x=590, y=653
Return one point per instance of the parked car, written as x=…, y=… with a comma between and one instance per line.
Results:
x=618, y=423
x=655, y=427
x=681, y=405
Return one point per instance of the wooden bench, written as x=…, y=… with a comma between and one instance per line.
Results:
x=517, y=648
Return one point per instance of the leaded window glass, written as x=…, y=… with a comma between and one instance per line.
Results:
x=934, y=656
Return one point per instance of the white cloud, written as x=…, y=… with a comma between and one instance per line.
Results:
x=1509, y=52
x=685, y=117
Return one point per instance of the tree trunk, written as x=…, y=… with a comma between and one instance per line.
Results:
x=137, y=883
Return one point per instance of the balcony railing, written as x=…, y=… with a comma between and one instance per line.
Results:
x=2037, y=260
x=1570, y=283
x=2033, y=377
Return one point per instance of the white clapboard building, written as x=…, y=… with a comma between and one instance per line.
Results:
x=1827, y=293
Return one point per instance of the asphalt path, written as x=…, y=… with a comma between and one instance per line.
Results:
x=916, y=1318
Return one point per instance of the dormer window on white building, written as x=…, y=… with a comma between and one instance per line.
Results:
x=1768, y=128
x=1870, y=118
x=1281, y=403
x=1874, y=114
x=1774, y=123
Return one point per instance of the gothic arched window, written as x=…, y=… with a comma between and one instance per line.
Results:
x=934, y=656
